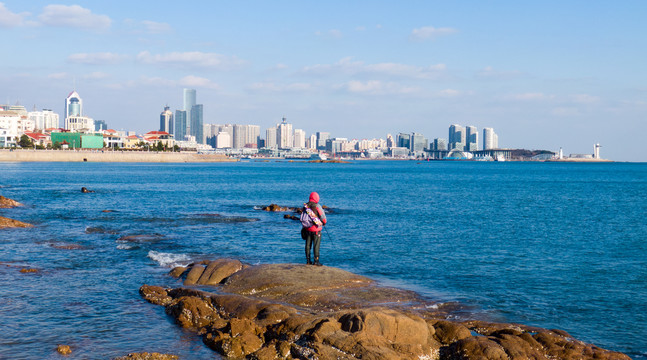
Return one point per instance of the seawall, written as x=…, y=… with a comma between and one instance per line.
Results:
x=108, y=156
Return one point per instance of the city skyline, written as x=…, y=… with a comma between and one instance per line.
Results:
x=545, y=76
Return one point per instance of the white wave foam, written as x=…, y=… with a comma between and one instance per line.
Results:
x=168, y=259
x=124, y=247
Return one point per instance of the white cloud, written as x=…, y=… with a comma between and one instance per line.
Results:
x=198, y=82
x=376, y=87
x=191, y=59
x=153, y=27
x=449, y=93
x=96, y=58
x=273, y=87
x=73, y=16
x=349, y=67
x=530, y=97
x=430, y=32
x=9, y=19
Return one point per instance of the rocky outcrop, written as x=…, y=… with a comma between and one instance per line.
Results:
x=64, y=349
x=276, y=207
x=6, y=203
x=289, y=311
x=147, y=356
x=6, y=223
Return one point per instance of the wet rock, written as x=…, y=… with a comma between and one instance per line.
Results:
x=66, y=246
x=6, y=223
x=107, y=211
x=291, y=217
x=86, y=191
x=178, y=271
x=28, y=270
x=147, y=356
x=298, y=311
x=99, y=230
x=63, y=349
x=6, y=203
x=275, y=208
x=218, y=270
x=141, y=238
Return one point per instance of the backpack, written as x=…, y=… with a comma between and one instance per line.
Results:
x=309, y=218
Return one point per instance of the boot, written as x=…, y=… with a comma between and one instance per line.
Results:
x=308, y=261
x=317, y=263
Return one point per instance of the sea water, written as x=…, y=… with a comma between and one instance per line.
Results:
x=554, y=245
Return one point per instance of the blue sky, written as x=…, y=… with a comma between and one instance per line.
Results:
x=544, y=75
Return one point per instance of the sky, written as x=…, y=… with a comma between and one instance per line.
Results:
x=544, y=74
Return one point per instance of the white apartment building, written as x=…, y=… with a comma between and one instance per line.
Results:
x=299, y=139
x=46, y=119
x=8, y=128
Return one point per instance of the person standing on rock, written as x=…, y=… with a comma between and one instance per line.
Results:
x=313, y=218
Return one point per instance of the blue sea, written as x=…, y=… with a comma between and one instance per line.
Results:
x=554, y=245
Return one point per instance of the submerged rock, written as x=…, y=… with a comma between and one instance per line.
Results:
x=64, y=349
x=6, y=203
x=278, y=208
x=6, y=223
x=147, y=356
x=299, y=311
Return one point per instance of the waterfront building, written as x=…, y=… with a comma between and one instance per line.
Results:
x=490, y=139
x=336, y=145
x=189, y=101
x=284, y=135
x=180, y=124
x=74, y=118
x=418, y=143
x=8, y=128
x=45, y=119
x=196, y=127
x=223, y=140
x=299, y=139
x=270, y=138
x=253, y=136
x=322, y=138
x=154, y=137
x=240, y=135
x=471, y=138
x=399, y=152
x=312, y=142
x=440, y=144
x=403, y=140
x=73, y=104
x=456, y=137
x=166, y=120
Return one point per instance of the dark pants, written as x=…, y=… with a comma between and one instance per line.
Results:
x=313, y=240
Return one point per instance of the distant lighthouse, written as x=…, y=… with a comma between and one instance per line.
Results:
x=596, y=151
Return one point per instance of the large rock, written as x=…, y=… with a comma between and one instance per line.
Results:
x=6, y=223
x=306, y=312
x=147, y=356
x=6, y=203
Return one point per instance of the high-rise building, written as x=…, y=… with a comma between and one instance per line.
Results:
x=404, y=140
x=284, y=135
x=270, y=138
x=418, y=143
x=100, y=125
x=456, y=137
x=490, y=139
x=471, y=138
x=240, y=136
x=299, y=139
x=46, y=119
x=73, y=105
x=166, y=120
x=253, y=135
x=223, y=140
x=189, y=101
x=389, y=141
x=196, y=126
x=312, y=143
x=180, y=125
x=322, y=137
x=440, y=144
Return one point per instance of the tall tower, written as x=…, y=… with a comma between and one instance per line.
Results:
x=166, y=120
x=73, y=105
x=180, y=125
x=189, y=102
x=471, y=138
x=456, y=137
x=197, y=123
x=284, y=135
x=596, y=151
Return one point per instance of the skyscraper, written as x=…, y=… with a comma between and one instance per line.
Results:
x=73, y=105
x=284, y=135
x=270, y=138
x=404, y=140
x=299, y=138
x=322, y=137
x=456, y=137
x=471, y=138
x=74, y=119
x=240, y=136
x=180, y=125
x=166, y=120
x=490, y=139
x=196, y=126
x=417, y=143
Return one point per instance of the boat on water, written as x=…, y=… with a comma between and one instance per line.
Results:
x=499, y=157
x=318, y=157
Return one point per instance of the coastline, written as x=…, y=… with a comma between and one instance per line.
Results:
x=108, y=156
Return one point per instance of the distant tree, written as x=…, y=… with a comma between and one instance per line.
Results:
x=56, y=146
x=40, y=147
x=176, y=148
x=159, y=146
x=25, y=141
